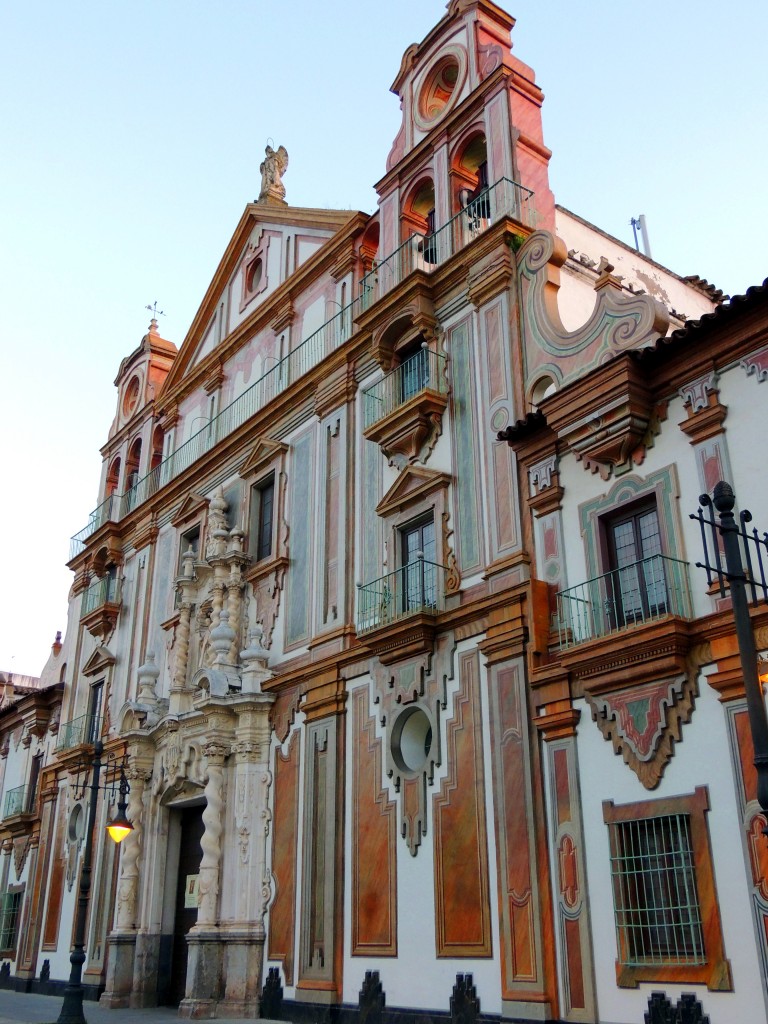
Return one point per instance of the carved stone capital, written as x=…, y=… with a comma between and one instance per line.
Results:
x=216, y=752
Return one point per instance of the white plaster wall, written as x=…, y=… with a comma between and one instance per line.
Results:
x=702, y=758
x=746, y=398
x=636, y=269
x=306, y=249
x=576, y=298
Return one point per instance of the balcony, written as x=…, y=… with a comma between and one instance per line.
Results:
x=77, y=732
x=100, y=606
x=16, y=802
x=396, y=613
x=505, y=198
x=107, y=511
x=402, y=413
x=301, y=360
x=623, y=599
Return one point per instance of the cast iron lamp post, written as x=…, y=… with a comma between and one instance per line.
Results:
x=733, y=535
x=119, y=827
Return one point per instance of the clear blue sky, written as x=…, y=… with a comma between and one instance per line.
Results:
x=131, y=141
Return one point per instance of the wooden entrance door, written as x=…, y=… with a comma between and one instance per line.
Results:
x=190, y=855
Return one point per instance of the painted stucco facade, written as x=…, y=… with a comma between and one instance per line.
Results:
x=316, y=605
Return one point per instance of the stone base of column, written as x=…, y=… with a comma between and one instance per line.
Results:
x=204, y=973
x=120, y=969
x=243, y=957
x=146, y=971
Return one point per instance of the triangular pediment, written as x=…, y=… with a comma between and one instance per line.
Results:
x=99, y=661
x=190, y=507
x=413, y=484
x=265, y=451
x=198, y=347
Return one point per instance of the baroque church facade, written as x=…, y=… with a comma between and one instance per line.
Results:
x=389, y=601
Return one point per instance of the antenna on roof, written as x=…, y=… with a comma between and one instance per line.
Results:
x=640, y=223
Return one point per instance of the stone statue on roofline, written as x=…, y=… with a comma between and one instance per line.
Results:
x=273, y=167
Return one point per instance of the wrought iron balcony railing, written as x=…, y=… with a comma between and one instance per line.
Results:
x=107, y=510
x=84, y=729
x=15, y=802
x=505, y=198
x=103, y=591
x=425, y=369
x=635, y=594
x=415, y=589
x=301, y=360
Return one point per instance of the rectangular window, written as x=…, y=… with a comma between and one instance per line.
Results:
x=93, y=721
x=664, y=892
x=636, y=586
x=34, y=777
x=658, y=918
x=262, y=518
x=189, y=540
x=418, y=571
x=9, y=920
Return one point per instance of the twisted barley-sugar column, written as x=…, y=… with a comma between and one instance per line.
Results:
x=211, y=841
x=234, y=606
x=217, y=597
x=127, y=893
x=182, y=648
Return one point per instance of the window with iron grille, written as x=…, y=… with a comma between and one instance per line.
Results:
x=658, y=918
x=9, y=922
x=665, y=902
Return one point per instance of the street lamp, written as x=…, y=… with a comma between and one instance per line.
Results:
x=72, y=1006
x=733, y=536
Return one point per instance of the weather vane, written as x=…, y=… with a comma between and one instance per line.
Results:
x=154, y=310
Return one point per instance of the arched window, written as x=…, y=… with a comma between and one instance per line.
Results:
x=158, y=437
x=113, y=478
x=419, y=219
x=132, y=464
x=469, y=175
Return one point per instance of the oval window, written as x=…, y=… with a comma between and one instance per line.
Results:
x=411, y=740
x=439, y=88
x=253, y=276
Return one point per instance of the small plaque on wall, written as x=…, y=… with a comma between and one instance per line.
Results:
x=191, y=892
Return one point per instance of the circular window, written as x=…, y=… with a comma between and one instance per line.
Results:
x=253, y=276
x=439, y=88
x=411, y=740
x=131, y=396
x=76, y=826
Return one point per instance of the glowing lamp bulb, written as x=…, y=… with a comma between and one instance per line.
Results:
x=119, y=827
